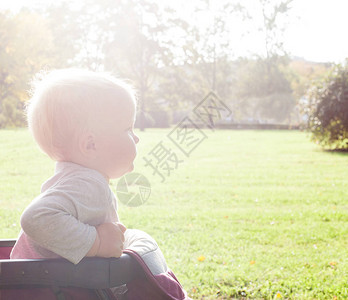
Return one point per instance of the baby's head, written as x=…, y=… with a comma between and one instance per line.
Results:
x=86, y=118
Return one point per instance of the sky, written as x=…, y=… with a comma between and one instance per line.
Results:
x=317, y=29
x=320, y=33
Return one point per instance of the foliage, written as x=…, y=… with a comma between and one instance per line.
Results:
x=148, y=120
x=266, y=88
x=11, y=113
x=264, y=84
x=327, y=110
x=274, y=13
x=161, y=118
x=67, y=49
x=171, y=59
x=29, y=47
x=303, y=73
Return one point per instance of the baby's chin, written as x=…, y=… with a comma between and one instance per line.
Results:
x=131, y=168
x=124, y=172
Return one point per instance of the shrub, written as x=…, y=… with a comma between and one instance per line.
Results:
x=11, y=113
x=327, y=110
x=148, y=122
x=161, y=118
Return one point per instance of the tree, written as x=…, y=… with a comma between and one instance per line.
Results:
x=328, y=110
x=137, y=49
x=264, y=83
x=304, y=73
x=27, y=48
x=209, y=47
x=126, y=38
x=274, y=16
x=69, y=36
x=266, y=89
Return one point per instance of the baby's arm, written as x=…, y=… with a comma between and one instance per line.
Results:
x=109, y=240
x=53, y=225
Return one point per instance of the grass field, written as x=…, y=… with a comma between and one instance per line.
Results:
x=248, y=215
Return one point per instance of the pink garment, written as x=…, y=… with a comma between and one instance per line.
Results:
x=25, y=248
x=61, y=220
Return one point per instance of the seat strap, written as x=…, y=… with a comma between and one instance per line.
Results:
x=105, y=294
x=58, y=292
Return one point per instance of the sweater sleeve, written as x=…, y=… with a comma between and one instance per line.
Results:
x=63, y=218
x=51, y=223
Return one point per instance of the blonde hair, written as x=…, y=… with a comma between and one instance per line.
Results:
x=66, y=102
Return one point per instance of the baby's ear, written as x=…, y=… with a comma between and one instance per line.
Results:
x=87, y=145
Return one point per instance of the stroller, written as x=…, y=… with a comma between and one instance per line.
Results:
x=140, y=273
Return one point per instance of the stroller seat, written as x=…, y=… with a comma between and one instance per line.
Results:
x=92, y=276
x=140, y=273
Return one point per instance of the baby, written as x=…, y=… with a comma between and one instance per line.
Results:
x=84, y=121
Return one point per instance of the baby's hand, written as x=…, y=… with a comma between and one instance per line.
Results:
x=109, y=241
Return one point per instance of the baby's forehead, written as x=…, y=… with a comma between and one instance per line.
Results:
x=124, y=104
x=122, y=110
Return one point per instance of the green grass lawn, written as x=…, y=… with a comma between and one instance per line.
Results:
x=249, y=214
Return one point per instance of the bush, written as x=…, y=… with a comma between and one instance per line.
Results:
x=154, y=119
x=327, y=110
x=148, y=122
x=11, y=113
x=161, y=118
